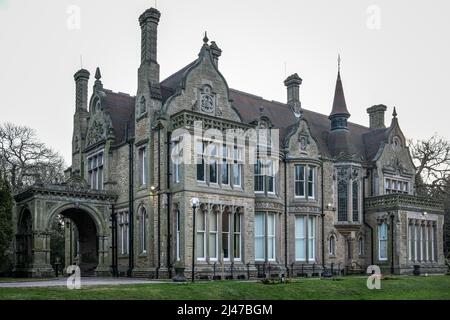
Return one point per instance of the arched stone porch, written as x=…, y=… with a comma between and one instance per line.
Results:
x=89, y=210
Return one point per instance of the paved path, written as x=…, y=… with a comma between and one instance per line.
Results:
x=84, y=282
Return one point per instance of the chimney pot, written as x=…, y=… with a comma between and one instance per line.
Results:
x=293, y=83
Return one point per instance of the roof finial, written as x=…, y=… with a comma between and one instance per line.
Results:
x=98, y=74
x=205, y=38
x=339, y=62
x=394, y=114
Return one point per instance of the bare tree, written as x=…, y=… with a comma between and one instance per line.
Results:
x=24, y=160
x=432, y=159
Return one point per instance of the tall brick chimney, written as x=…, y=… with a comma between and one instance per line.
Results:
x=81, y=89
x=149, y=35
x=376, y=116
x=293, y=83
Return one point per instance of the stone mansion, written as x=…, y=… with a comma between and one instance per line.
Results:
x=334, y=195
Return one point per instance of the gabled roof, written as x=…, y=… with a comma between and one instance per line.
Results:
x=120, y=108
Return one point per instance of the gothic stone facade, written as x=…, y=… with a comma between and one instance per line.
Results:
x=342, y=196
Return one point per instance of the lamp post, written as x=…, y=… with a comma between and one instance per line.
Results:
x=194, y=204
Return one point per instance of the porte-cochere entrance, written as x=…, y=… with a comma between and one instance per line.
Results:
x=86, y=211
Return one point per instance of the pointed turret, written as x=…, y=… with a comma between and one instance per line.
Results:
x=339, y=113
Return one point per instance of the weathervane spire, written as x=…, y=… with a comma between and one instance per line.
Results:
x=205, y=38
x=339, y=62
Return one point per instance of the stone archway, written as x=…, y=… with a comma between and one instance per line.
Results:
x=89, y=210
x=86, y=254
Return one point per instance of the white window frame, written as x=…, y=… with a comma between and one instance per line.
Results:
x=227, y=235
x=237, y=234
x=215, y=235
x=200, y=157
x=311, y=238
x=332, y=245
x=383, y=240
x=225, y=164
x=178, y=240
x=260, y=234
x=260, y=175
x=313, y=182
x=201, y=231
x=300, y=238
x=271, y=237
x=96, y=171
x=143, y=165
x=237, y=164
x=143, y=230
x=302, y=182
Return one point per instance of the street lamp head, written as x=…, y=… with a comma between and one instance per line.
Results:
x=425, y=213
x=195, y=202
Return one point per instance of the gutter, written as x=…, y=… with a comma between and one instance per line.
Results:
x=169, y=236
x=159, y=202
x=131, y=205
x=364, y=216
x=285, y=215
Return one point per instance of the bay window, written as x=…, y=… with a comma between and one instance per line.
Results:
x=305, y=239
x=260, y=231
x=305, y=181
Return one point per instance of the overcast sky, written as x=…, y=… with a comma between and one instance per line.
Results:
x=395, y=52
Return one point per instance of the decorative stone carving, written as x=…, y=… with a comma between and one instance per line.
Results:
x=268, y=206
x=207, y=101
x=76, y=183
x=396, y=166
x=303, y=138
x=96, y=132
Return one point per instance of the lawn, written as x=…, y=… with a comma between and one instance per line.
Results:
x=353, y=288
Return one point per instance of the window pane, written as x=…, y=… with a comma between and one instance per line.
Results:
x=342, y=200
x=225, y=235
x=259, y=236
x=300, y=248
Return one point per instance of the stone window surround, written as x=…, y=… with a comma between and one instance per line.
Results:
x=316, y=190
x=220, y=210
x=93, y=155
x=123, y=232
x=143, y=230
x=265, y=176
x=277, y=217
x=398, y=178
x=231, y=185
x=350, y=179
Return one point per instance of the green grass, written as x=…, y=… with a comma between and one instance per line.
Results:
x=353, y=288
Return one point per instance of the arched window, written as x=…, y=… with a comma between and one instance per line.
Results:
x=360, y=246
x=332, y=245
x=143, y=230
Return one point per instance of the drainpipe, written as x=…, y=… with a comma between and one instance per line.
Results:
x=392, y=242
x=159, y=202
x=285, y=215
x=169, y=175
x=322, y=215
x=131, y=204
x=364, y=215
x=114, y=241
